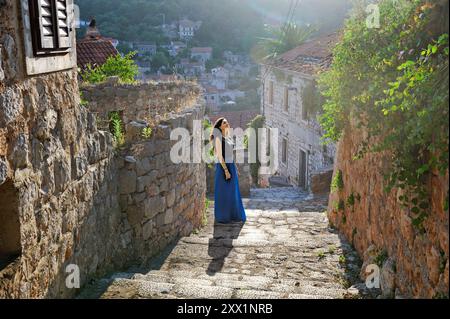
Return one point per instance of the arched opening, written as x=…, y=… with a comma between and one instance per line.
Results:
x=10, y=247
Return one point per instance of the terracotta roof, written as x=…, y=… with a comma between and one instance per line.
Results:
x=238, y=119
x=202, y=50
x=310, y=57
x=94, y=52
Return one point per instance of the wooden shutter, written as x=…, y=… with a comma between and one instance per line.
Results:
x=46, y=24
x=51, y=25
x=63, y=26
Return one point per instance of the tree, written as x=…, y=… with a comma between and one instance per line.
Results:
x=159, y=60
x=282, y=39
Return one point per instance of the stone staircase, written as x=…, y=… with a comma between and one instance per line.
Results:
x=285, y=250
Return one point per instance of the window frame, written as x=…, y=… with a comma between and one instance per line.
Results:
x=35, y=64
x=284, y=150
x=55, y=43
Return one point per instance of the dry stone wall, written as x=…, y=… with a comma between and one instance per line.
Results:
x=412, y=264
x=67, y=197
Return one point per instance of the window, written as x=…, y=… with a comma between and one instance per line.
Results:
x=271, y=92
x=284, y=151
x=286, y=99
x=304, y=112
x=50, y=26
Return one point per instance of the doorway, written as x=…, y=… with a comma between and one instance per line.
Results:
x=303, y=170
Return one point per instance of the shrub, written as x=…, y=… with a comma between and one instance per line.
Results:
x=122, y=66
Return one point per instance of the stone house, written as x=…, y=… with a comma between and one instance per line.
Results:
x=187, y=29
x=220, y=78
x=212, y=97
x=202, y=54
x=288, y=104
x=145, y=49
x=176, y=47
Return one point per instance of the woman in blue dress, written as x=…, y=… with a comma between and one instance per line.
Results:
x=228, y=207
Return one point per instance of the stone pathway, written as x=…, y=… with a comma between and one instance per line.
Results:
x=285, y=250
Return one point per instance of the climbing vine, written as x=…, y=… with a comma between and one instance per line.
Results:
x=393, y=81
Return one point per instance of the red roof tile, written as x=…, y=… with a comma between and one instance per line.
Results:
x=309, y=58
x=94, y=52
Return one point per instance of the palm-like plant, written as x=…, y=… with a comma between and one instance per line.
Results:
x=281, y=40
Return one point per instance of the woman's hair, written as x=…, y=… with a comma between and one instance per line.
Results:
x=216, y=129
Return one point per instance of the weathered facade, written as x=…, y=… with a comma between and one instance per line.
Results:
x=67, y=197
x=288, y=89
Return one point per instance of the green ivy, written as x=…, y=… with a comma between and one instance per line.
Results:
x=393, y=82
x=147, y=133
x=351, y=200
x=381, y=258
x=337, y=183
x=116, y=127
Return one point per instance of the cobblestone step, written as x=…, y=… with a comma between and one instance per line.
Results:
x=146, y=289
x=234, y=281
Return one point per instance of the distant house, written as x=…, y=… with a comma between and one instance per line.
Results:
x=220, y=78
x=230, y=57
x=170, y=30
x=202, y=54
x=94, y=49
x=145, y=48
x=192, y=69
x=187, y=29
x=176, y=47
x=212, y=98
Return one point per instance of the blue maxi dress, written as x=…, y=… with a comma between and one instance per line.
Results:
x=228, y=207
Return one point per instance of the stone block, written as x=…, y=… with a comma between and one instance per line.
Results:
x=168, y=217
x=134, y=130
x=153, y=190
x=147, y=230
x=127, y=181
x=135, y=215
x=9, y=106
x=321, y=181
x=170, y=198
x=143, y=166
x=164, y=184
x=153, y=206
x=143, y=182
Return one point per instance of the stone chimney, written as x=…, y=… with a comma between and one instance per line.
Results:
x=92, y=31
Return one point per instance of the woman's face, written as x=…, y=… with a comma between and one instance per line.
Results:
x=225, y=125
